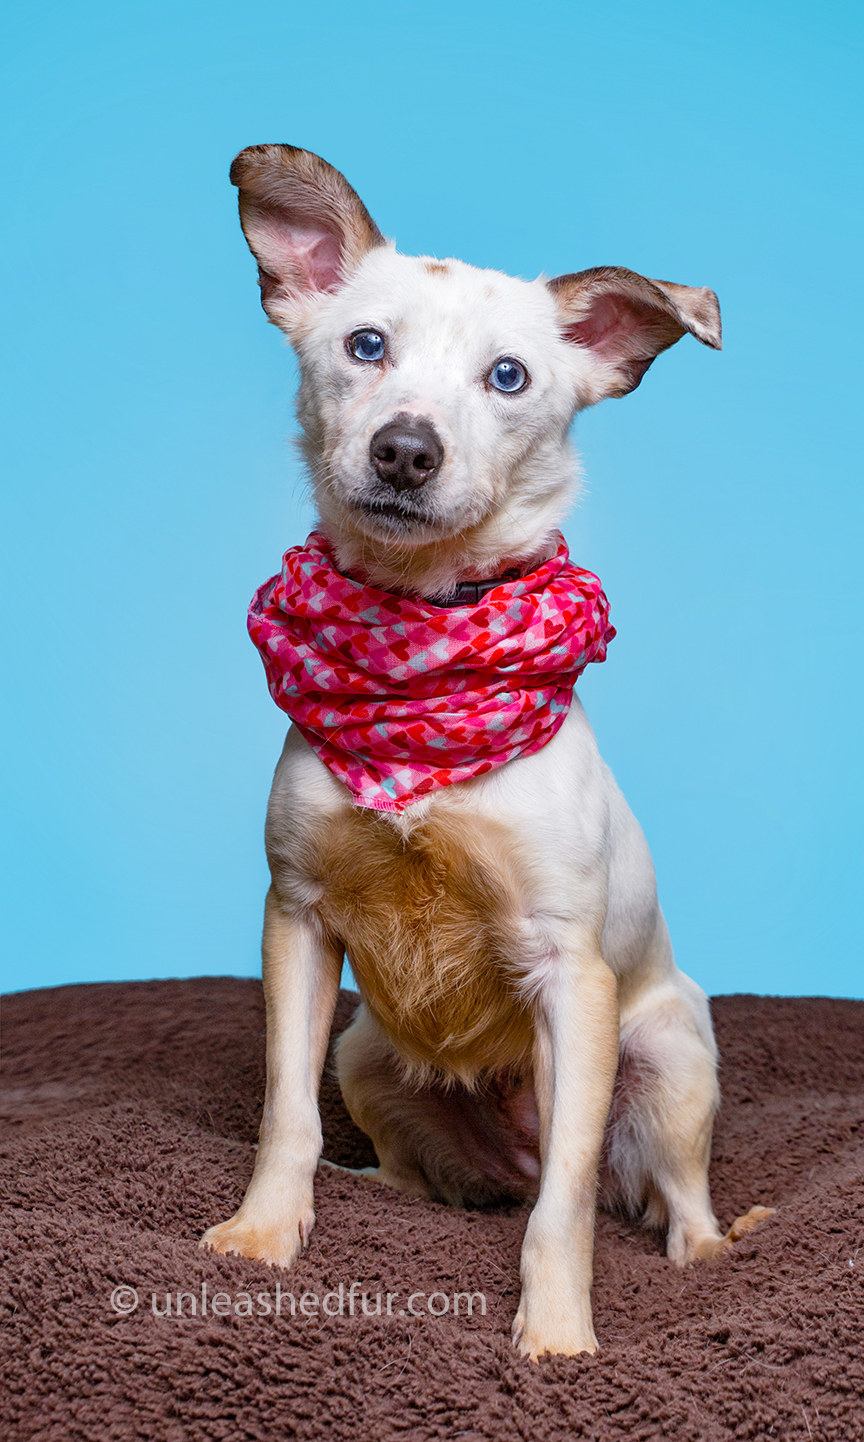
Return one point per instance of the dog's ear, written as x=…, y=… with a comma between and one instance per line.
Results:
x=305, y=226
x=625, y=320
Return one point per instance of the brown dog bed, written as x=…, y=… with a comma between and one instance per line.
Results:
x=136, y=1108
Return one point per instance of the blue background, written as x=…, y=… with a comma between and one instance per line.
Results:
x=150, y=489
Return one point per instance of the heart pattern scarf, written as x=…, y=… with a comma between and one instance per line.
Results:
x=399, y=696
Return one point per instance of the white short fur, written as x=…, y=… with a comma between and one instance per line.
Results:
x=594, y=956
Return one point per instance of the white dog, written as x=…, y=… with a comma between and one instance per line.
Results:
x=504, y=930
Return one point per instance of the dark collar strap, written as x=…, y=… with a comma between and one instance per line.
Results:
x=470, y=593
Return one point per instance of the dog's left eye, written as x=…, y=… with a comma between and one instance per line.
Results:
x=508, y=375
x=366, y=345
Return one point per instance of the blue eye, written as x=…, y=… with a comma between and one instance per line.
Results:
x=366, y=345
x=508, y=375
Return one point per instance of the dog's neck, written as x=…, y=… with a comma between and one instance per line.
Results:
x=449, y=571
x=451, y=574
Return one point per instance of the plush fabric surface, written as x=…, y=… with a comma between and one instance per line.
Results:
x=135, y=1110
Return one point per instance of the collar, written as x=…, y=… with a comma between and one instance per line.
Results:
x=470, y=593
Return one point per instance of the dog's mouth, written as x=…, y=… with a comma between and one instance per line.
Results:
x=395, y=512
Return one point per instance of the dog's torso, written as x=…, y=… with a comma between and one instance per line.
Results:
x=451, y=912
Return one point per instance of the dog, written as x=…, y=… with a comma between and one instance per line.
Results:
x=522, y=1017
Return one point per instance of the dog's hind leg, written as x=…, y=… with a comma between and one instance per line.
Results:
x=662, y=1115
x=436, y=1139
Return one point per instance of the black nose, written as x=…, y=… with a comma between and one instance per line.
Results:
x=406, y=453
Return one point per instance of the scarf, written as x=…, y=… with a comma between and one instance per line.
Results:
x=398, y=695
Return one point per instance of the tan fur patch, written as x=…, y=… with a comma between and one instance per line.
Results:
x=428, y=923
x=435, y=267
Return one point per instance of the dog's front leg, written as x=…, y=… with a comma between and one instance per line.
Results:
x=301, y=982
x=575, y=1060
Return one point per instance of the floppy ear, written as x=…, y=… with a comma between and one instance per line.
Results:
x=305, y=226
x=625, y=320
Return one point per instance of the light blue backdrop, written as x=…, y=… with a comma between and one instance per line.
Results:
x=149, y=487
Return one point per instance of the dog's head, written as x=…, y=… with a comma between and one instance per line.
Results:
x=436, y=398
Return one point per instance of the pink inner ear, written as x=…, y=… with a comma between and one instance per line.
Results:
x=611, y=323
x=318, y=258
x=302, y=257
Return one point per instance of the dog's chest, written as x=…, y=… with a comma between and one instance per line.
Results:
x=431, y=921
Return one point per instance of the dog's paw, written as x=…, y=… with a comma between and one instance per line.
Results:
x=750, y=1220
x=535, y=1336
x=535, y=1342
x=411, y=1183
x=706, y=1248
x=276, y=1245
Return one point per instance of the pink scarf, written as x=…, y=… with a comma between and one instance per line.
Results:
x=399, y=696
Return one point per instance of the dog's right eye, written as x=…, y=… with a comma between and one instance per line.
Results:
x=366, y=345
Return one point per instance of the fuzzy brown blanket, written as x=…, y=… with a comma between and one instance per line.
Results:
x=135, y=1109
